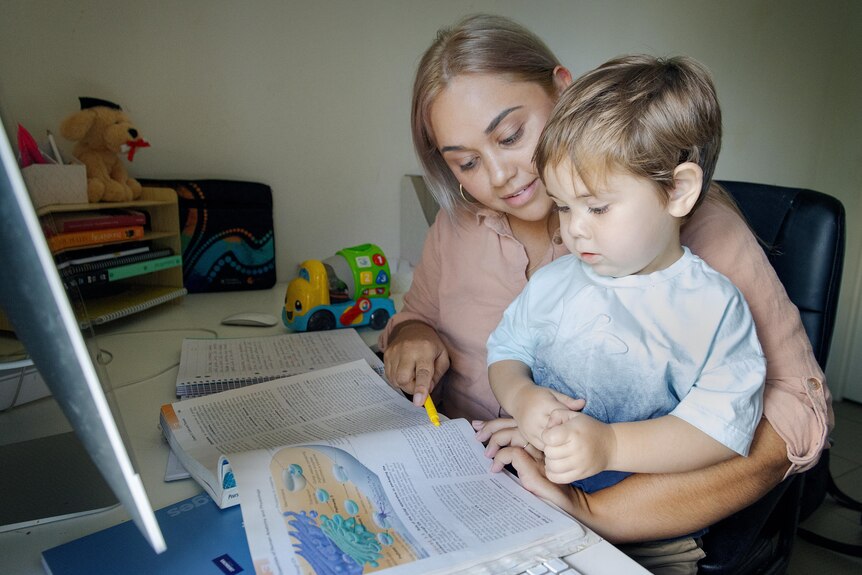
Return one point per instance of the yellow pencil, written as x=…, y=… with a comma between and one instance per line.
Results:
x=432, y=411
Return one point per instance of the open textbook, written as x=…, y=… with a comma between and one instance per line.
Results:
x=339, y=473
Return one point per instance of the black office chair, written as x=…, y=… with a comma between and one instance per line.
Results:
x=803, y=234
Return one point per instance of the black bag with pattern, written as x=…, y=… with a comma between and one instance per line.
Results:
x=227, y=234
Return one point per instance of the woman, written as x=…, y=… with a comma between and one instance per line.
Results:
x=482, y=94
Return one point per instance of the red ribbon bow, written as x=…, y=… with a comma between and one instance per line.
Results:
x=134, y=145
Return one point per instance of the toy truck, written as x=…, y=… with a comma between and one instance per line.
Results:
x=350, y=289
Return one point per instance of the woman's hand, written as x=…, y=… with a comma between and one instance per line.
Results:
x=527, y=461
x=415, y=359
x=504, y=431
x=499, y=433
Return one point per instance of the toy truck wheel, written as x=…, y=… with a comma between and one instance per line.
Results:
x=379, y=319
x=321, y=320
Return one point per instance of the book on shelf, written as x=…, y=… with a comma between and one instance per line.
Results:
x=335, y=471
x=213, y=365
x=134, y=266
x=71, y=240
x=87, y=282
x=129, y=270
x=87, y=256
x=81, y=221
x=112, y=261
x=201, y=538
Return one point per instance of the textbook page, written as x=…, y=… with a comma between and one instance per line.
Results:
x=324, y=404
x=213, y=365
x=419, y=499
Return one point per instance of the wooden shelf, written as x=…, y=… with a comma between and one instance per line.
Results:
x=135, y=293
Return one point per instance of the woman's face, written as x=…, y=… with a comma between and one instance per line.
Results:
x=486, y=128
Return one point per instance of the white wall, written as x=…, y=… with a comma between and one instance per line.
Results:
x=312, y=98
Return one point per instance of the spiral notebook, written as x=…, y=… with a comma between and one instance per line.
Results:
x=132, y=299
x=212, y=365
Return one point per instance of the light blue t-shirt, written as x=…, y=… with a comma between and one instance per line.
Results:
x=679, y=341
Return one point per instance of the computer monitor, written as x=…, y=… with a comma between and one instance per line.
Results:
x=35, y=303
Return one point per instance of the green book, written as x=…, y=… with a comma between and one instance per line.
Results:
x=146, y=267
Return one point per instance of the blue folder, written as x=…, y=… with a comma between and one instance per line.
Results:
x=202, y=539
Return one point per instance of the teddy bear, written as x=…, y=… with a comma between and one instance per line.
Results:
x=100, y=130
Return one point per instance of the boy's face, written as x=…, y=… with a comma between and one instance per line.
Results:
x=620, y=228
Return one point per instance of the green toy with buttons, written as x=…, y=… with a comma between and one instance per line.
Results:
x=349, y=289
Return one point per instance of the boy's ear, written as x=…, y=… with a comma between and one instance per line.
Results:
x=687, y=183
x=562, y=78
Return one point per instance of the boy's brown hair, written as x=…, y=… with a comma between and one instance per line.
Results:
x=638, y=113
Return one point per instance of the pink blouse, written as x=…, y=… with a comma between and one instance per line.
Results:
x=472, y=268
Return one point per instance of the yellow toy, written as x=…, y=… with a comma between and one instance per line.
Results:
x=350, y=289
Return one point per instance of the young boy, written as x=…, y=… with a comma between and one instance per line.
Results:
x=661, y=347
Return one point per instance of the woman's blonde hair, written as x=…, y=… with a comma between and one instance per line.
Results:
x=478, y=44
x=638, y=113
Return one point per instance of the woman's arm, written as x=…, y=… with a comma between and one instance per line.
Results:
x=414, y=355
x=796, y=400
x=649, y=507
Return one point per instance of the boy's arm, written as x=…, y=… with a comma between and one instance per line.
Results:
x=508, y=378
x=512, y=384
x=578, y=446
x=664, y=445
x=529, y=404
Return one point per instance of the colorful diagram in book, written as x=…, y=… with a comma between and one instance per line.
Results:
x=338, y=515
x=228, y=481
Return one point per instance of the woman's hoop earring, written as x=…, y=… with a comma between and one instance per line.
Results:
x=472, y=200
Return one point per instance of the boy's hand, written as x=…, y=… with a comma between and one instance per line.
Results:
x=576, y=446
x=535, y=405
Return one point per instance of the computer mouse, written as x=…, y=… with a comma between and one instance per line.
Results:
x=251, y=318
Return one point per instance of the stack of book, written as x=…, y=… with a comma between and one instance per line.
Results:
x=87, y=255
x=67, y=230
x=92, y=271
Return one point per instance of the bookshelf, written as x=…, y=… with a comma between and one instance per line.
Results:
x=138, y=291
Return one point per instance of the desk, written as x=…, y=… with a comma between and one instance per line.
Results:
x=143, y=352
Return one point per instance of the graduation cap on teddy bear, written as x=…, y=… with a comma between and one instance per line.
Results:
x=87, y=102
